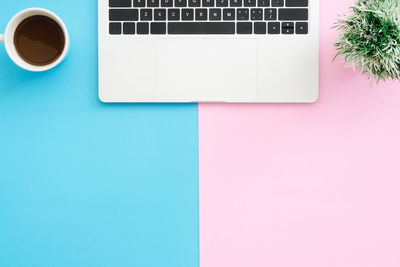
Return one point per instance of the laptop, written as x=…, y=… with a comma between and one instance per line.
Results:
x=254, y=51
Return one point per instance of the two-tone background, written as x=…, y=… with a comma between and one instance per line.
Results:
x=89, y=184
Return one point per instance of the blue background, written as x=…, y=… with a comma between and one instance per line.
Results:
x=84, y=183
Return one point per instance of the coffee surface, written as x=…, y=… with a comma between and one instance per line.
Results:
x=39, y=40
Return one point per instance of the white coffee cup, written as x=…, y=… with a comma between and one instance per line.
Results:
x=8, y=38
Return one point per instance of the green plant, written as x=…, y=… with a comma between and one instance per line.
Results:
x=370, y=38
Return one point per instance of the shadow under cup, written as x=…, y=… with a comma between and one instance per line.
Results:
x=39, y=40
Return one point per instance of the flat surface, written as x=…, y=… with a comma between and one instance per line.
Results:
x=89, y=184
x=305, y=185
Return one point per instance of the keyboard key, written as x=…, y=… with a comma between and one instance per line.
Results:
x=222, y=3
x=215, y=14
x=301, y=28
x=244, y=28
x=123, y=14
x=120, y=3
x=142, y=28
x=256, y=14
x=208, y=3
x=167, y=3
x=173, y=14
x=187, y=14
x=287, y=27
x=270, y=14
x=236, y=3
x=277, y=3
x=146, y=14
x=260, y=27
x=129, y=28
x=293, y=14
x=201, y=14
x=115, y=28
x=158, y=28
x=242, y=14
x=274, y=28
x=194, y=3
x=296, y=3
x=180, y=3
x=201, y=28
x=153, y=3
x=160, y=14
x=250, y=3
x=229, y=14
x=263, y=3
x=287, y=30
x=139, y=3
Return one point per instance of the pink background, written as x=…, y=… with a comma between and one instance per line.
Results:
x=304, y=185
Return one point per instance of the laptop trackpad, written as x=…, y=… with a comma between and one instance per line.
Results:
x=223, y=69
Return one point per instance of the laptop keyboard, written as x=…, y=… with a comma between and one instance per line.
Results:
x=210, y=17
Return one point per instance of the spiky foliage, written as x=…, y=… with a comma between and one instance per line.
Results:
x=370, y=38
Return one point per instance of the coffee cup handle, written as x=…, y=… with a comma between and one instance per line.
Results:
x=1, y=38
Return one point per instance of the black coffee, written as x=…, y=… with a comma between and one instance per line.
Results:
x=39, y=40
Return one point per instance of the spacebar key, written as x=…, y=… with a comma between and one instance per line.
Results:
x=201, y=28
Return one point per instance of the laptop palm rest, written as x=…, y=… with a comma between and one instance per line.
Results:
x=207, y=69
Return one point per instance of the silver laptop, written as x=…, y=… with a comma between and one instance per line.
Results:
x=208, y=50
